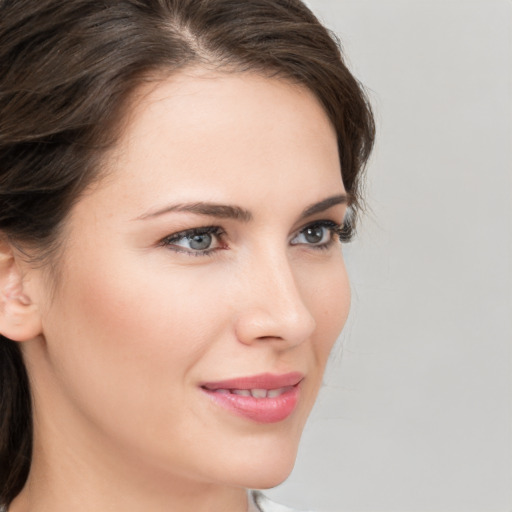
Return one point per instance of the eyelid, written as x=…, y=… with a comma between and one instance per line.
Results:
x=334, y=228
x=169, y=241
x=193, y=231
x=344, y=229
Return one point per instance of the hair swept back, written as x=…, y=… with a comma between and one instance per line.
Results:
x=68, y=69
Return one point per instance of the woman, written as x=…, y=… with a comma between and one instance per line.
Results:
x=175, y=176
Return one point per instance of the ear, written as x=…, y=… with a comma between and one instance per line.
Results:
x=20, y=318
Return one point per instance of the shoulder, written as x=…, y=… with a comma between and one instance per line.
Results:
x=258, y=502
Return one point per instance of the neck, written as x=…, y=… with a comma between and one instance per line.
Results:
x=71, y=489
x=73, y=473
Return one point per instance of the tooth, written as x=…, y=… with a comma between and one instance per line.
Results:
x=259, y=393
x=272, y=393
x=241, y=392
x=223, y=391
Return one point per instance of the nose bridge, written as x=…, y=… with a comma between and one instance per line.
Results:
x=275, y=307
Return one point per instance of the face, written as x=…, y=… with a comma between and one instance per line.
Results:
x=204, y=268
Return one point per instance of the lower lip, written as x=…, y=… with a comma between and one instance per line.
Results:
x=261, y=410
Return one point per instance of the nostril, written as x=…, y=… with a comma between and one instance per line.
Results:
x=261, y=325
x=273, y=307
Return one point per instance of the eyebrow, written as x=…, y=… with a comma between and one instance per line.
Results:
x=221, y=211
x=225, y=211
x=324, y=205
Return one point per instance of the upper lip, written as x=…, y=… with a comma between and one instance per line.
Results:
x=261, y=381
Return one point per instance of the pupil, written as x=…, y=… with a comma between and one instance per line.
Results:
x=314, y=235
x=200, y=242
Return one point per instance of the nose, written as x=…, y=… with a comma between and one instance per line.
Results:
x=271, y=305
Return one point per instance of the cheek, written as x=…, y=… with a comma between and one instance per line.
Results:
x=329, y=300
x=143, y=311
x=122, y=337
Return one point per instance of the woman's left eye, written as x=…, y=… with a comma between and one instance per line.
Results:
x=320, y=234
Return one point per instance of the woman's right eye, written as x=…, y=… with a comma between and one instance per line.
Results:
x=196, y=242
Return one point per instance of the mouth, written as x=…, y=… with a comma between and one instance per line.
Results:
x=265, y=398
x=255, y=393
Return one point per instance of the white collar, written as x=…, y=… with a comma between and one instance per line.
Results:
x=260, y=503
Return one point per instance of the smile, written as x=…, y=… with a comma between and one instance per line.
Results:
x=264, y=398
x=255, y=393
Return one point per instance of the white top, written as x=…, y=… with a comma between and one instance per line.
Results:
x=260, y=503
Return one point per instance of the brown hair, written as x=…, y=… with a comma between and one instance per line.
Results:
x=67, y=70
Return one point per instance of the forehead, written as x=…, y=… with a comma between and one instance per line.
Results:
x=225, y=132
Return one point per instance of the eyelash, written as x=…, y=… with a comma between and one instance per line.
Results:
x=342, y=232
x=171, y=240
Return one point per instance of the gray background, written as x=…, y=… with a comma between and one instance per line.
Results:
x=416, y=412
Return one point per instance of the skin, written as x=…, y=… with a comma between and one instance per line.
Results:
x=135, y=325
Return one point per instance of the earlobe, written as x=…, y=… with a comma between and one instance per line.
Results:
x=19, y=316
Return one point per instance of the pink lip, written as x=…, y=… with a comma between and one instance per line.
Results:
x=262, y=381
x=262, y=410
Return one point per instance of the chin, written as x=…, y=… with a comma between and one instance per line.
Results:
x=262, y=460
x=266, y=468
x=269, y=479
